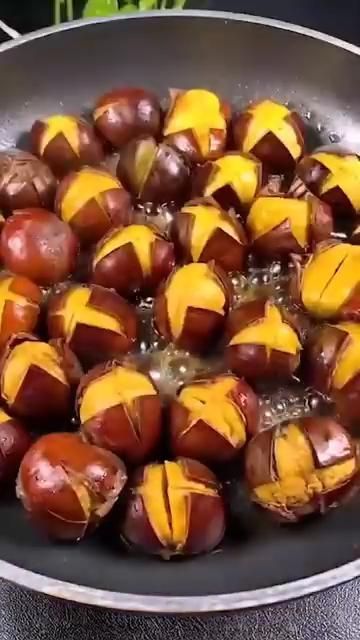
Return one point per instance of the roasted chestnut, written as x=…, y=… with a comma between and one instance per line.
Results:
x=174, y=508
x=36, y=244
x=66, y=143
x=96, y=323
x=196, y=124
x=68, y=486
x=15, y=440
x=191, y=307
x=278, y=225
x=127, y=113
x=334, y=177
x=20, y=301
x=210, y=419
x=91, y=202
x=233, y=180
x=301, y=467
x=272, y=132
x=133, y=259
x=263, y=341
x=25, y=181
x=328, y=283
x=204, y=232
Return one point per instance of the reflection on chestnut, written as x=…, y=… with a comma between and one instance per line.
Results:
x=91, y=202
x=36, y=244
x=174, y=508
x=68, y=486
x=132, y=259
x=271, y=132
x=120, y=410
x=20, y=301
x=204, y=232
x=127, y=113
x=15, y=440
x=25, y=181
x=210, y=419
x=191, y=307
x=96, y=323
x=264, y=341
x=301, y=467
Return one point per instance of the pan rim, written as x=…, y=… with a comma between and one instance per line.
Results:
x=181, y=604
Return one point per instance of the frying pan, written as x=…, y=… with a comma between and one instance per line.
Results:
x=241, y=57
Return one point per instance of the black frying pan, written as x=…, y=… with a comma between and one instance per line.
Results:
x=242, y=58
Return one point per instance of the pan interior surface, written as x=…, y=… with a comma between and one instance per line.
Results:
x=64, y=72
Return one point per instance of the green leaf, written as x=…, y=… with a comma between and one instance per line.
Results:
x=146, y=5
x=128, y=8
x=95, y=8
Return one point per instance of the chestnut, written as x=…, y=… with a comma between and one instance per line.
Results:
x=15, y=440
x=25, y=181
x=196, y=124
x=133, y=259
x=191, y=307
x=334, y=177
x=91, y=202
x=279, y=225
x=263, y=341
x=95, y=322
x=272, y=132
x=327, y=283
x=174, y=508
x=204, y=232
x=301, y=467
x=233, y=180
x=68, y=486
x=36, y=244
x=35, y=378
x=66, y=143
x=127, y=113
x=20, y=302
x=210, y=419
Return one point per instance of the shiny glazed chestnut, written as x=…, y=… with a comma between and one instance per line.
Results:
x=36, y=244
x=196, y=124
x=20, y=303
x=301, y=467
x=91, y=202
x=271, y=132
x=68, y=486
x=263, y=341
x=210, y=419
x=15, y=440
x=174, y=508
x=191, y=307
x=204, y=232
x=96, y=323
x=327, y=284
x=279, y=226
x=25, y=181
x=133, y=259
x=66, y=143
x=120, y=410
x=127, y=113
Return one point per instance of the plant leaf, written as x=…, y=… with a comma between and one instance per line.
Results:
x=95, y=8
x=128, y=8
x=146, y=5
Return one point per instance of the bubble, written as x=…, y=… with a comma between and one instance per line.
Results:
x=334, y=137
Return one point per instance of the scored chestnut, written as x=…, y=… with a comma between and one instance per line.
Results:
x=15, y=440
x=133, y=259
x=191, y=307
x=196, y=124
x=36, y=244
x=279, y=225
x=66, y=143
x=210, y=419
x=301, y=467
x=174, y=508
x=91, y=202
x=120, y=410
x=327, y=284
x=20, y=302
x=204, y=232
x=25, y=181
x=68, y=486
x=263, y=341
x=127, y=113
x=272, y=132
x=95, y=322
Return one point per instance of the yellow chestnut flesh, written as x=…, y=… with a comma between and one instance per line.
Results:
x=139, y=236
x=240, y=172
x=268, y=213
x=269, y=116
x=206, y=220
x=78, y=311
x=344, y=173
x=65, y=125
x=87, y=185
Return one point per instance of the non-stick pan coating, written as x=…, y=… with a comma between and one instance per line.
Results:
x=242, y=58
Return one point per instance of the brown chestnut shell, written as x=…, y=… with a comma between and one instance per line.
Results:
x=20, y=306
x=25, y=181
